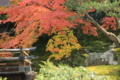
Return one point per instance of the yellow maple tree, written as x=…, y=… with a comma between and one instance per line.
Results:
x=62, y=44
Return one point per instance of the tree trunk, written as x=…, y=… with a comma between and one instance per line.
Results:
x=117, y=23
x=110, y=35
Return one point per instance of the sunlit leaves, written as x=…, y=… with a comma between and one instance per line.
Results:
x=3, y=10
x=89, y=29
x=62, y=44
x=109, y=22
x=36, y=17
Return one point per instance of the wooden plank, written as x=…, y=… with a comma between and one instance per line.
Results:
x=9, y=58
x=12, y=50
x=8, y=69
x=7, y=64
x=17, y=58
x=25, y=53
x=28, y=62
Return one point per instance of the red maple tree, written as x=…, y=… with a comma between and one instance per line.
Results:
x=109, y=22
x=36, y=17
x=33, y=18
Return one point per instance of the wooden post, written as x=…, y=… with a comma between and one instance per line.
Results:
x=21, y=62
x=24, y=65
x=17, y=50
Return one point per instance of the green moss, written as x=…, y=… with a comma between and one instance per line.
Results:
x=109, y=70
x=116, y=50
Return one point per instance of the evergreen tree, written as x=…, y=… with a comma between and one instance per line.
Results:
x=103, y=14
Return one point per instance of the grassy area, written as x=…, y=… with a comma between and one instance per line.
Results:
x=108, y=70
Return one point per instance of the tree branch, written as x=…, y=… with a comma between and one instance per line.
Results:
x=117, y=23
x=110, y=35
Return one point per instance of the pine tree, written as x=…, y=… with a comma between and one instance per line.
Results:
x=89, y=10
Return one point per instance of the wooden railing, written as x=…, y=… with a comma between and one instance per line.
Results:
x=23, y=64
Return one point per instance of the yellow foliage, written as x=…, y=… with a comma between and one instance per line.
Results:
x=116, y=50
x=3, y=8
x=62, y=44
x=107, y=70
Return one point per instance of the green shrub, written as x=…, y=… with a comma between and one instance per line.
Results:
x=98, y=46
x=3, y=78
x=48, y=71
x=76, y=58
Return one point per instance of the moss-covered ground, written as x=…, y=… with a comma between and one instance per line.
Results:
x=107, y=70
